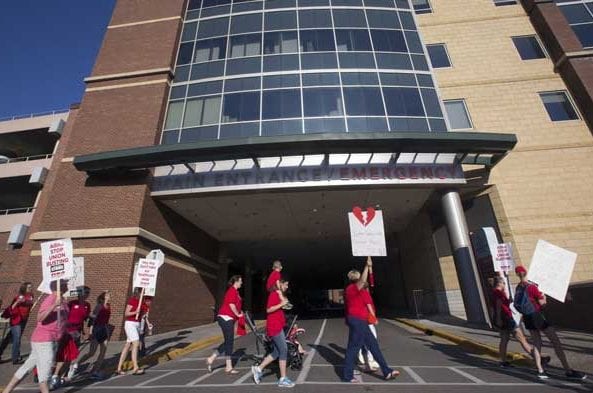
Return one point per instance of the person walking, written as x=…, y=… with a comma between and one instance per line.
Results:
x=530, y=302
x=18, y=313
x=275, y=322
x=273, y=282
x=99, y=333
x=364, y=355
x=145, y=327
x=133, y=313
x=50, y=324
x=359, y=333
x=230, y=312
x=503, y=320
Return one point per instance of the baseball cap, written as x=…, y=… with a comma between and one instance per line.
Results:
x=520, y=269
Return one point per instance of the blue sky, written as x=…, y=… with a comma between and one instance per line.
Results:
x=47, y=47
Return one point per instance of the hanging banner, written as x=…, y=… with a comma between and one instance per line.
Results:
x=503, y=261
x=551, y=268
x=367, y=233
x=146, y=274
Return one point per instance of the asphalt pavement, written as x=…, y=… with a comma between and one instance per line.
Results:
x=426, y=363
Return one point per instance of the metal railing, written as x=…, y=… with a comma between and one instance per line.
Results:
x=17, y=210
x=30, y=115
x=26, y=158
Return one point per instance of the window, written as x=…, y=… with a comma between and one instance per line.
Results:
x=349, y=18
x=558, y=106
x=174, y=115
x=246, y=23
x=529, y=47
x=185, y=53
x=580, y=18
x=322, y=102
x=201, y=111
x=240, y=107
x=401, y=101
x=422, y=6
x=353, y=40
x=245, y=45
x=439, y=58
x=314, y=19
x=207, y=50
x=213, y=27
x=500, y=3
x=280, y=42
x=317, y=40
x=388, y=41
x=457, y=113
x=278, y=104
x=280, y=20
x=363, y=101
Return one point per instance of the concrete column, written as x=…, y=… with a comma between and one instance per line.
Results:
x=465, y=264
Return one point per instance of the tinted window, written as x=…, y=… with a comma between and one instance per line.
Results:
x=189, y=31
x=353, y=40
x=314, y=18
x=402, y=101
x=349, y=18
x=421, y=6
x=241, y=107
x=174, y=115
x=242, y=84
x=280, y=20
x=585, y=34
x=200, y=89
x=321, y=79
x=558, y=106
x=383, y=19
x=317, y=40
x=185, y=53
x=201, y=111
x=213, y=27
x=528, y=48
x=457, y=114
x=322, y=102
x=212, y=49
x=245, y=45
x=363, y=101
x=280, y=42
x=388, y=41
x=281, y=104
x=438, y=56
x=273, y=81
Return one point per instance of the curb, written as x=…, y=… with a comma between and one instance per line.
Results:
x=465, y=342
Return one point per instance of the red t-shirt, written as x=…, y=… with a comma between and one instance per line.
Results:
x=355, y=303
x=230, y=297
x=499, y=295
x=21, y=312
x=103, y=314
x=275, y=321
x=77, y=314
x=367, y=298
x=134, y=301
x=272, y=279
x=534, y=295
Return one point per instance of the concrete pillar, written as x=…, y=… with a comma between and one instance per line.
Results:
x=465, y=264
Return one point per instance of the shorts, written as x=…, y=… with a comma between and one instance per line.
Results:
x=67, y=349
x=132, y=329
x=100, y=333
x=42, y=357
x=508, y=325
x=535, y=321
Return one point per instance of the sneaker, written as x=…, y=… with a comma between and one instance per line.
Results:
x=285, y=383
x=572, y=374
x=505, y=364
x=542, y=375
x=255, y=371
x=73, y=371
x=54, y=382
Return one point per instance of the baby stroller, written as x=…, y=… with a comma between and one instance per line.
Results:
x=294, y=358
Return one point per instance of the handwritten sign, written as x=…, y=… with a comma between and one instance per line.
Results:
x=551, y=268
x=503, y=261
x=159, y=256
x=76, y=282
x=146, y=273
x=367, y=233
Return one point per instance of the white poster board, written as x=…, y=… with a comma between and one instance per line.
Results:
x=76, y=282
x=57, y=262
x=551, y=268
x=503, y=261
x=159, y=256
x=146, y=274
x=367, y=233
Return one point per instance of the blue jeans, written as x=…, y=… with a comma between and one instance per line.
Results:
x=359, y=334
x=280, y=351
x=15, y=335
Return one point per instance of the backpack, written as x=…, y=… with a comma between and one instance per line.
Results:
x=522, y=302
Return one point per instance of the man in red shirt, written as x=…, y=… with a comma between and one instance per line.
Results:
x=18, y=312
x=359, y=332
x=536, y=322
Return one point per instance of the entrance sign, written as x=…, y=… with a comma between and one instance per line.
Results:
x=551, y=268
x=57, y=259
x=309, y=176
x=503, y=261
x=146, y=273
x=367, y=233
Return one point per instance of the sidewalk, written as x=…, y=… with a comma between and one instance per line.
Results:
x=578, y=346
x=160, y=347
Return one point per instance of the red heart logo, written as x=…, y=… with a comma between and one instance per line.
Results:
x=357, y=211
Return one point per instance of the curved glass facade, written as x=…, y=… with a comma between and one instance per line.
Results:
x=282, y=67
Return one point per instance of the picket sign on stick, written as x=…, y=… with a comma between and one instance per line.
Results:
x=57, y=262
x=367, y=233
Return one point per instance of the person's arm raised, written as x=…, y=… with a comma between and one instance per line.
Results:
x=365, y=273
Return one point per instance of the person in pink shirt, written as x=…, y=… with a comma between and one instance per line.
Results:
x=50, y=327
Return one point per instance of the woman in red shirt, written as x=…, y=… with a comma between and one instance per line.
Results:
x=230, y=311
x=275, y=322
x=359, y=333
x=18, y=312
x=133, y=314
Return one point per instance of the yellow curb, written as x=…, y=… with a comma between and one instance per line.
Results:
x=465, y=342
x=166, y=355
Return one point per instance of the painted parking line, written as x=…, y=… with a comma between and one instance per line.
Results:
x=467, y=375
x=243, y=378
x=307, y=363
x=414, y=376
x=148, y=381
x=203, y=377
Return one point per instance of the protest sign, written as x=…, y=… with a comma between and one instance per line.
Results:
x=367, y=233
x=551, y=268
x=76, y=282
x=159, y=256
x=503, y=261
x=146, y=273
x=56, y=262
